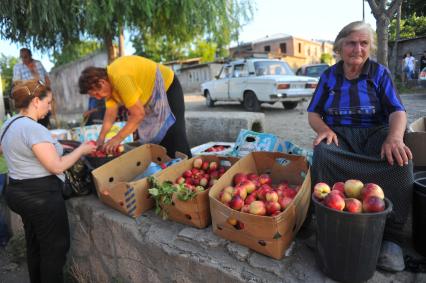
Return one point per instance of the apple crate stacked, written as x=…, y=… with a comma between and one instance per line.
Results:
x=181, y=191
x=266, y=217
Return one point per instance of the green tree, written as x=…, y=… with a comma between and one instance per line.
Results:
x=74, y=51
x=56, y=23
x=204, y=49
x=410, y=7
x=6, y=69
x=412, y=26
x=326, y=58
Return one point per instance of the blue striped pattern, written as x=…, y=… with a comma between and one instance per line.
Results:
x=363, y=102
x=130, y=200
x=22, y=72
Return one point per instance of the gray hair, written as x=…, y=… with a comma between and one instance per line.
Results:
x=354, y=27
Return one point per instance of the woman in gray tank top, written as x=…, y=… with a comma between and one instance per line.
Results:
x=36, y=167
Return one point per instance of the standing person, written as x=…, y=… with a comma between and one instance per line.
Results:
x=423, y=61
x=360, y=124
x=31, y=69
x=36, y=167
x=95, y=112
x=409, y=66
x=152, y=95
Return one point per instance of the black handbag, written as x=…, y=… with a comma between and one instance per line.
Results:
x=78, y=181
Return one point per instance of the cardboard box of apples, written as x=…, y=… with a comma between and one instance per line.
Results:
x=351, y=196
x=262, y=201
x=181, y=190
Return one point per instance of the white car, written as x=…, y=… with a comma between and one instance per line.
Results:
x=256, y=81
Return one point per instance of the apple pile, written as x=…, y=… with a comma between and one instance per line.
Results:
x=217, y=148
x=202, y=176
x=102, y=153
x=351, y=196
x=255, y=194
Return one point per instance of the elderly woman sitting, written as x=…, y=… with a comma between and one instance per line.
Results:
x=360, y=123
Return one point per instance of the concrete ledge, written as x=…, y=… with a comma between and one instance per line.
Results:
x=107, y=246
x=202, y=127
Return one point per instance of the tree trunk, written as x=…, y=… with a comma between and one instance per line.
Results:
x=121, y=43
x=382, y=24
x=110, y=47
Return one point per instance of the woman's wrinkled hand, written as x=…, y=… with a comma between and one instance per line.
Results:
x=327, y=135
x=112, y=145
x=394, y=149
x=88, y=147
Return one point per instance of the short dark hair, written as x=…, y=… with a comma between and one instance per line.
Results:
x=26, y=50
x=24, y=92
x=90, y=77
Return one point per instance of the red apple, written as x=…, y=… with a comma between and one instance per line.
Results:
x=339, y=186
x=204, y=181
x=228, y=189
x=338, y=193
x=353, y=205
x=180, y=180
x=213, y=166
x=248, y=185
x=373, y=204
x=221, y=169
x=236, y=202
x=321, y=190
x=240, y=191
x=239, y=178
x=252, y=176
x=271, y=196
x=250, y=198
x=187, y=173
x=261, y=193
x=205, y=165
x=334, y=201
x=272, y=207
x=353, y=188
x=284, y=202
x=197, y=163
x=245, y=208
x=291, y=193
x=257, y=208
x=370, y=190
x=265, y=179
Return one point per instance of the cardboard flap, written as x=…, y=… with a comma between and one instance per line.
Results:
x=419, y=125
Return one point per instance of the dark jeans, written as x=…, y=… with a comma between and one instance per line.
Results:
x=175, y=139
x=41, y=206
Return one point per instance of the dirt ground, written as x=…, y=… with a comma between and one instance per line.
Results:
x=289, y=124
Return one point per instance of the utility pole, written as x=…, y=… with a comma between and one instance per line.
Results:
x=363, y=11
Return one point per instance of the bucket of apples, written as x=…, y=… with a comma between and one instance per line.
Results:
x=100, y=157
x=350, y=219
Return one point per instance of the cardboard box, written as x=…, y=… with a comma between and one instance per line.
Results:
x=249, y=141
x=195, y=212
x=201, y=149
x=267, y=235
x=114, y=180
x=415, y=139
x=87, y=133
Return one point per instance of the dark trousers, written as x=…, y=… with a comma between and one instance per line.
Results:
x=175, y=139
x=41, y=206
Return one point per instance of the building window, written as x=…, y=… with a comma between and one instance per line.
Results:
x=309, y=51
x=267, y=48
x=300, y=47
x=283, y=47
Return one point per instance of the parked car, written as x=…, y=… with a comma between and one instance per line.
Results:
x=255, y=81
x=312, y=70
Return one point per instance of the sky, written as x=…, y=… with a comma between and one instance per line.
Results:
x=310, y=19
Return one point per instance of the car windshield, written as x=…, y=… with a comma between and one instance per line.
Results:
x=315, y=71
x=263, y=68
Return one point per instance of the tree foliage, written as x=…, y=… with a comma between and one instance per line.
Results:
x=326, y=58
x=6, y=71
x=410, y=27
x=411, y=7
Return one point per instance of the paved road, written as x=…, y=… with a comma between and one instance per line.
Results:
x=293, y=124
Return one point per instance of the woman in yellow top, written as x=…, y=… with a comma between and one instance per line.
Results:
x=150, y=92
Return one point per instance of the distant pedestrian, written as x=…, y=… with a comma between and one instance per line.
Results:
x=409, y=66
x=31, y=69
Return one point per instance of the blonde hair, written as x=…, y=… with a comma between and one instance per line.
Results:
x=354, y=27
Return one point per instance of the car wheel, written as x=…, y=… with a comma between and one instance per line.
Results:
x=290, y=104
x=209, y=100
x=250, y=102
